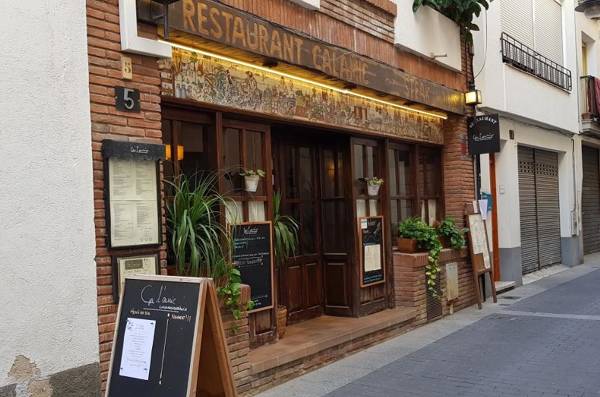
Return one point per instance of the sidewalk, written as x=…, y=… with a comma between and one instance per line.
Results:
x=366, y=372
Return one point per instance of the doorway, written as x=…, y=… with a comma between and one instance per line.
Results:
x=310, y=174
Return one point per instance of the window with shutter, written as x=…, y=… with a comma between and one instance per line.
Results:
x=548, y=37
x=517, y=20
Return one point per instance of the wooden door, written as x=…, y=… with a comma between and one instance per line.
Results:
x=301, y=279
x=337, y=230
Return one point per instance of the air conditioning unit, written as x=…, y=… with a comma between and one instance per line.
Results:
x=591, y=8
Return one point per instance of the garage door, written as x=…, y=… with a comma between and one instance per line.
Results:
x=591, y=200
x=539, y=209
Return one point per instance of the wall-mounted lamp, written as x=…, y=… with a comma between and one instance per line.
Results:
x=473, y=97
x=169, y=154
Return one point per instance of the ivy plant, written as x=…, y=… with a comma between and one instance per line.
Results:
x=460, y=11
x=427, y=239
x=455, y=235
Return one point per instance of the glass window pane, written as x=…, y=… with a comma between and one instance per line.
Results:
x=307, y=234
x=370, y=162
x=393, y=185
x=233, y=212
x=432, y=211
x=406, y=210
x=194, y=160
x=334, y=220
x=232, y=160
x=256, y=211
x=373, y=208
x=361, y=208
x=291, y=184
x=328, y=182
x=254, y=156
x=305, y=177
x=404, y=174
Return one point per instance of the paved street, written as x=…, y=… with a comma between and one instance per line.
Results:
x=542, y=339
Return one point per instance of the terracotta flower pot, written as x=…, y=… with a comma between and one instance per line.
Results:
x=445, y=241
x=407, y=245
x=281, y=321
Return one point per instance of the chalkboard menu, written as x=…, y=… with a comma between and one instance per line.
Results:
x=253, y=256
x=155, y=339
x=372, y=264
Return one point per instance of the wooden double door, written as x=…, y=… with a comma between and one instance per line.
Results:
x=311, y=177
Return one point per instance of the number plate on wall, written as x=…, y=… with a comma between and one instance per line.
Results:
x=127, y=99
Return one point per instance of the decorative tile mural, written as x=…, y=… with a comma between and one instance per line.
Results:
x=214, y=81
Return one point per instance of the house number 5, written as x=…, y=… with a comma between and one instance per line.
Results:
x=127, y=99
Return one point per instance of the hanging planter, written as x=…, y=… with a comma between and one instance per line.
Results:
x=373, y=185
x=251, y=179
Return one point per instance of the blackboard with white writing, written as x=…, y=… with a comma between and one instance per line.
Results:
x=372, y=250
x=154, y=342
x=252, y=255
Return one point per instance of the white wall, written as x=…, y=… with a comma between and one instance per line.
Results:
x=312, y=4
x=506, y=89
x=47, y=246
x=508, y=182
x=428, y=33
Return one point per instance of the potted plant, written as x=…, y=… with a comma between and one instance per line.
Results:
x=451, y=236
x=373, y=185
x=251, y=179
x=426, y=239
x=285, y=236
x=409, y=232
x=198, y=242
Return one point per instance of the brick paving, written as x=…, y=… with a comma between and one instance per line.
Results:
x=539, y=346
x=542, y=339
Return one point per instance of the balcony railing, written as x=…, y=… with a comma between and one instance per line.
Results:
x=528, y=60
x=590, y=99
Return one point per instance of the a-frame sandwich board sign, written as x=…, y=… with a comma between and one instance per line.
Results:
x=169, y=340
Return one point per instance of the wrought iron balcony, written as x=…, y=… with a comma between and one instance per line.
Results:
x=528, y=60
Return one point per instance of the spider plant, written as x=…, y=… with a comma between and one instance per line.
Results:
x=285, y=232
x=198, y=240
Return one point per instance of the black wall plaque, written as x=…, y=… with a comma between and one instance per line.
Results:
x=372, y=250
x=173, y=307
x=484, y=134
x=127, y=99
x=132, y=150
x=253, y=256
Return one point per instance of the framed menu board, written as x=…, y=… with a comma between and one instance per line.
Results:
x=253, y=256
x=132, y=194
x=372, y=251
x=479, y=241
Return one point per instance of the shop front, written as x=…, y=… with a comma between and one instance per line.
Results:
x=347, y=145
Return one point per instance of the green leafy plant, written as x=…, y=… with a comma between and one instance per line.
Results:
x=285, y=230
x=198, y=241
x=427, y=238
x=260, y=173
x=374, y=181
x=460, y=11
x=230, y=293
x=455, y=235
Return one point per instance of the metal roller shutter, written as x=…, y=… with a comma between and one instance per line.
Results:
x=548, y=207
x=539, y=209
x=528, y=210
x=591, y=200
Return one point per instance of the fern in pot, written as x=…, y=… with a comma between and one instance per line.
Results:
x=285, y=236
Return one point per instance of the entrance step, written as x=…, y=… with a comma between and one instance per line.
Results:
x=310, y=344
x=504, y=286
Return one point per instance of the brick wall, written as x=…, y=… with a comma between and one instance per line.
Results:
x=104, y=54
x=410, y=283
x=341, y=31
x=368, y=16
